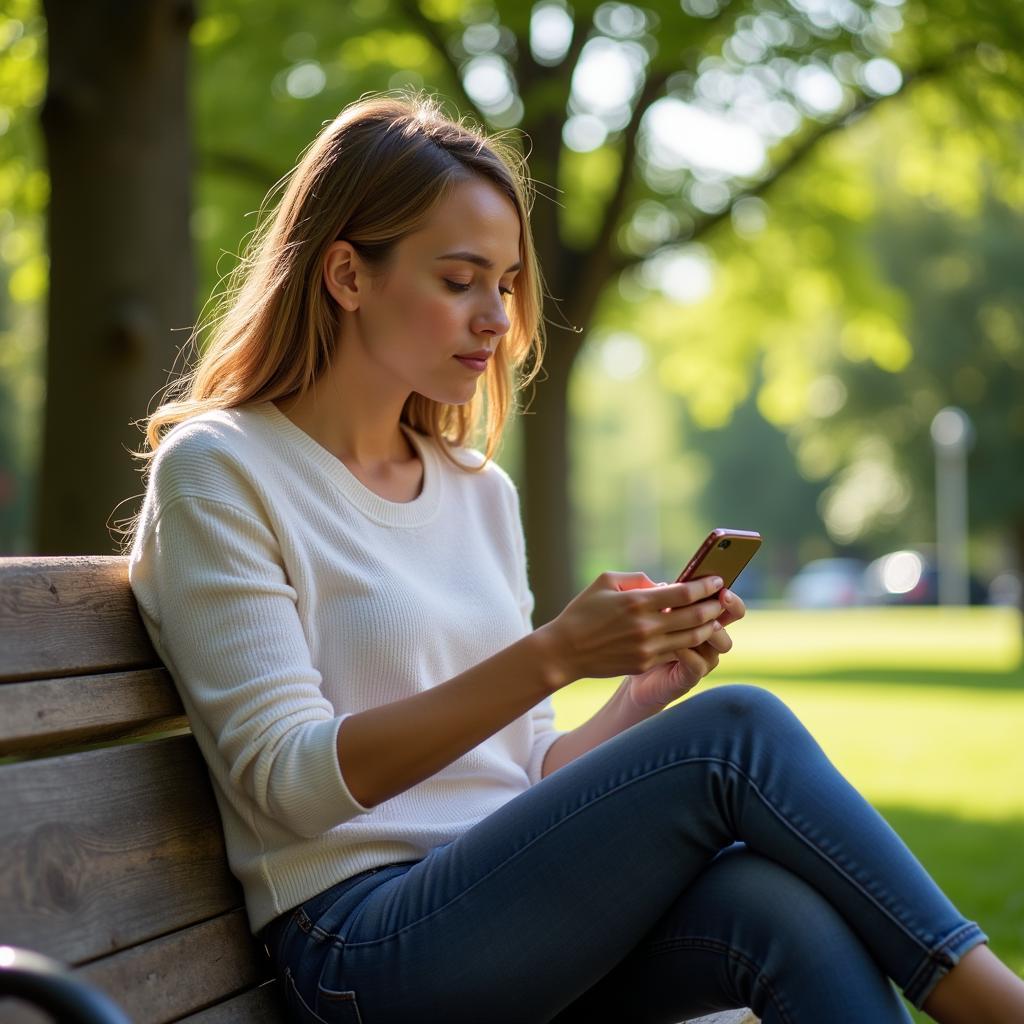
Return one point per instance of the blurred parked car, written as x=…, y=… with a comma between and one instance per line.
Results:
x=827, y=583
x=1007, y=588
x=910, y=577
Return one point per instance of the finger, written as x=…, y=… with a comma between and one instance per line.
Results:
x=695, y=614
x=695, y=665
x=685, y=639
x=734, y=607
x=720, y=641
x=708, y=655
x=679, y=595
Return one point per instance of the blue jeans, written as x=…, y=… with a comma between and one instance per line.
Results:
x=708, y=858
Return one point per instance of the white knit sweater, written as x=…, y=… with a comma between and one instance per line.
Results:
x=283, y=595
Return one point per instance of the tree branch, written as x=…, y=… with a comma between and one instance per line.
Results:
x=590, y=274
x=545, y=91
x=804, y=149
x=432, y=32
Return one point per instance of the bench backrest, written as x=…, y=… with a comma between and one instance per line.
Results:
x=111, y=850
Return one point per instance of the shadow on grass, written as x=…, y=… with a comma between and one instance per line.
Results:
x=978, y=865
x=974, y=679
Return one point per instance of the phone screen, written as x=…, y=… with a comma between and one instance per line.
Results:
x=724, y=553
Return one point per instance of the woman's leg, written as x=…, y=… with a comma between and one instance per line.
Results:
x=981, y=989
x=746, y=932
x=518, y=917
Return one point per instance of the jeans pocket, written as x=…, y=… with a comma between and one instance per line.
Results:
x=338, y=1007
x=331, y=1007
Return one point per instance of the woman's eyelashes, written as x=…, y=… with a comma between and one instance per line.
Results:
x=458, y=286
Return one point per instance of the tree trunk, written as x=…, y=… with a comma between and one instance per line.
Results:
x=548, y=517
x=121, y=269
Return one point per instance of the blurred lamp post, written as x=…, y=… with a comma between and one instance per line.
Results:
x=952, y=436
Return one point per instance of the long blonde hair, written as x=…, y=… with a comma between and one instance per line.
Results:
x=372, y=176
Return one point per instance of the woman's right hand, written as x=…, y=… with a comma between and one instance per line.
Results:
x=625, y=624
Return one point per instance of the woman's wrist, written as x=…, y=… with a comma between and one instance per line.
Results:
x=555, y=666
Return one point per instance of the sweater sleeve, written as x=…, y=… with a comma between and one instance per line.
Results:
x=542, y=714
x=222, y=614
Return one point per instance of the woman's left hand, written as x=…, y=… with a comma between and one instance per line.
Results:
x=664, y=683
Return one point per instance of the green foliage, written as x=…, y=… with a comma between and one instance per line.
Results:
x=24, y=192
x=880, y=284
x=24, y=188
x=799, y=300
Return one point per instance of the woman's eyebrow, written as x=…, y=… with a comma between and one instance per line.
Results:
x=480, y=261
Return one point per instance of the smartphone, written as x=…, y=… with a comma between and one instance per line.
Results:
x=724, y=553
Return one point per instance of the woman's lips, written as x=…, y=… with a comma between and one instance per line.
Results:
x=473, y=364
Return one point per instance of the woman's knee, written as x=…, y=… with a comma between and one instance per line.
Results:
x=743, y=703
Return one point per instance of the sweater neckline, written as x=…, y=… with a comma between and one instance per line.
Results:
x=417, y=512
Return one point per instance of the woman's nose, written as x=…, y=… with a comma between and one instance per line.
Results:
x=493, y=320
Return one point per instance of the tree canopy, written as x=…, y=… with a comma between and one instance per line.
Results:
x=720, y=180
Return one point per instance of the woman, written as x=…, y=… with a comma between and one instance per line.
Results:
x=338, y=586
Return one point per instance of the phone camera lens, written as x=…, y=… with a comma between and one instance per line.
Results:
x=724, y=543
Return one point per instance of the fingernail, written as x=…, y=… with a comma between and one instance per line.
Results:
x=717, y=582
x=717, y=626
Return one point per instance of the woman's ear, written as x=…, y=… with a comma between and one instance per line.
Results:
x=342, y=274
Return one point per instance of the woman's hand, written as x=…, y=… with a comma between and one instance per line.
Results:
x=624, y=623
x=664, y=683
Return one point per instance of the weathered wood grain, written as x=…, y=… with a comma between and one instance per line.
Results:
x=48, y=713
x=69, y=616
x=109, y=848
x=210, y=968
x=183, y=972
x=258, y=1006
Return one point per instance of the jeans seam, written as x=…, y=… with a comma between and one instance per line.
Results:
x=717, y=946
x=810, y=844
x=509, y=860
x=937, y=955
x=623, y=785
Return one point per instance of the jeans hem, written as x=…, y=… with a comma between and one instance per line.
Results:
x=940, y=960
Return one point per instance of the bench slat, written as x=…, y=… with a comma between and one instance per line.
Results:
x=109, y=848
x=69, y=616
x=85, y=709
x=183, y=972
x=259, y=1006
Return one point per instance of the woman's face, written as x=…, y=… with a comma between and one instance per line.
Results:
x=444, y=294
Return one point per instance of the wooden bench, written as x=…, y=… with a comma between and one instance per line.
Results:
x=111, y=852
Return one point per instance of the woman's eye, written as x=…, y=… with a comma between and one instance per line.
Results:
x=458, y=286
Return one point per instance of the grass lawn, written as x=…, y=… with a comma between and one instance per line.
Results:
x=923, y=710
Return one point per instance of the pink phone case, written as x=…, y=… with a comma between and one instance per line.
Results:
x=726, y=560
